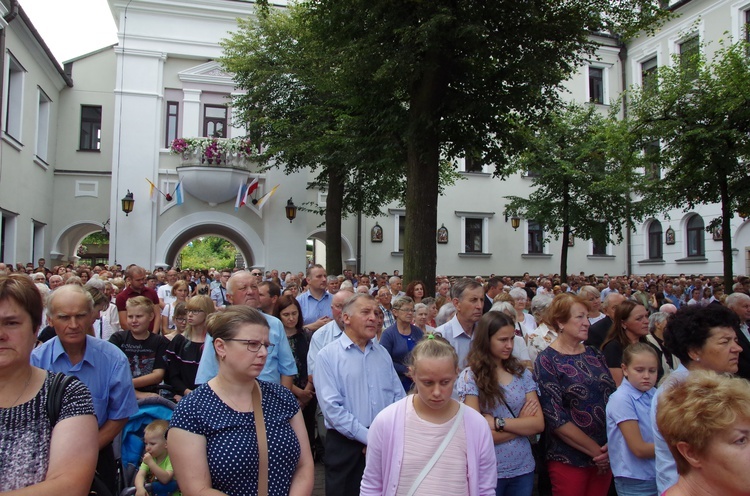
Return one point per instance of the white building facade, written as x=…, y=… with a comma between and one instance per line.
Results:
x=161, y=82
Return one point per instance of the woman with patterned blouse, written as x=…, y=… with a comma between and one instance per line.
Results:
x=35, y=453
x=574, y=386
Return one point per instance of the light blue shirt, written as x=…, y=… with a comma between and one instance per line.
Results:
x=320, y=338
x=628, y=403
x=457, y=337
x=666, y=469
x=280, y=360
x=313, y=309
x=105, y=371
x=353, y=386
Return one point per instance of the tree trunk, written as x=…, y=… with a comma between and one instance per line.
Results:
x=422, y=175
x=334, y=207
x=566, y=234
x=726, y=234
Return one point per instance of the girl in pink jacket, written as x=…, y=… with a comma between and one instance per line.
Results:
x=428, y=443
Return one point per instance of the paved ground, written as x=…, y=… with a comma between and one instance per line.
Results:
x=319, y=487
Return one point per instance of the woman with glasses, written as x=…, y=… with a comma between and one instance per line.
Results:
x=236, y=435
x=400, y=338
x=184, y=352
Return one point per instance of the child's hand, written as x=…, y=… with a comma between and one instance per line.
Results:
x=141, y=492
x=148, y=459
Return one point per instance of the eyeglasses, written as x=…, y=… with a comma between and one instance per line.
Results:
x=405, y=310
x=255, y=274
x=183, y=319
x=195, y=311
x=253, y=345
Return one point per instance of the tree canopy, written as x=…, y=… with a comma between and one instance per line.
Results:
x=405, y=86
x=585, y=174
x=698, y=110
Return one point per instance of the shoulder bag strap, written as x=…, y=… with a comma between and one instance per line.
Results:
x=440, y=450
x=260, y=432
x=55, y=394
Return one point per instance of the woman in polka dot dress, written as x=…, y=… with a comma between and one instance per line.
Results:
x=212, y=439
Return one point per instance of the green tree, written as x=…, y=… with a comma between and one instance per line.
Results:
x=207, y=252
x=450, y=77
x=294, y=105
x=384, y=90
x=699, y=112
x=584, y=176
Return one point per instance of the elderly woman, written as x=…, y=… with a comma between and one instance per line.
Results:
x=594, y=299
x=703, y=338
x=543, y=335
x=235, y=434
x=421, y=315
x=37, y=454
x=446, y=313
x=432, y=310
x=705, y=421
x=400, y=338
x=629, y=326
x=657, y=322
x=525, y=320
x=574, y=385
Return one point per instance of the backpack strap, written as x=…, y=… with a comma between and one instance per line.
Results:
x=55, y=394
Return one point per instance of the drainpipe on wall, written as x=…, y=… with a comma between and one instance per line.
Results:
x=623, y=55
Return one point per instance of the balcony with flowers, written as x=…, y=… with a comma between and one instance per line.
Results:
x=212, y=169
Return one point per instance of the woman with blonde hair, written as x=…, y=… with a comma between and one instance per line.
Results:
x=594, y=299
x=705, y=421
x=185, y=350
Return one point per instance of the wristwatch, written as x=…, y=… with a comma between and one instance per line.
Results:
x=499, y=424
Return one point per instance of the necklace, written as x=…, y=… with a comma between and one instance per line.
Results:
x=26, y=384
x=226, y=393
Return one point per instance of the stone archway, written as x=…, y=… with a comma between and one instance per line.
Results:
x=348, y=257
x=178, y=234
x=65, y=244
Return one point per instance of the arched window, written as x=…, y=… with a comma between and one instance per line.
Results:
x=695, y=235
x=655, y=240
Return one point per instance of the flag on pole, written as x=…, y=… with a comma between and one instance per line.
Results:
x=178, y=194
x=240, y=195
x=249, y=191
x=264, y=199
x=152, y=191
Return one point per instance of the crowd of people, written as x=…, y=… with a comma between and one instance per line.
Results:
x=576, y=386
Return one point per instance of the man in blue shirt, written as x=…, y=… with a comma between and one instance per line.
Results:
x=316, y=301
x=354, y=380
x=97, y=363
x=242, y=289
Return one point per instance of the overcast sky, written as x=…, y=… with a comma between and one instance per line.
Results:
x=72, y=27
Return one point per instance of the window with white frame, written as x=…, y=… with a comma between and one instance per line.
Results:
x=535, y=237
x=91, y=128
x=14, y=102
x=649, y=81
x=475, y=232
x=42, y=127
x=599, y=244
x=471, y=162
x=173, y=115
x=651, y=156
x=215, y=121
x=8, y=236
x=655, y=240
x=689, y=50
x=596, y=85
x=322, y=199
x=399, y=229
x=695, y=233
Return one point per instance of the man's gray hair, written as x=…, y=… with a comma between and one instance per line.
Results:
x=735, y=299
x=68, y=288
x=458, y=288
x=393, y=279
x=354, y=299
x=656, y=318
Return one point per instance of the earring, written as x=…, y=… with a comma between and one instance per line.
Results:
x=222, y=357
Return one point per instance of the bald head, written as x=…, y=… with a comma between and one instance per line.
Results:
x=668, y=308
x=337, y=304
x=611, y=302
